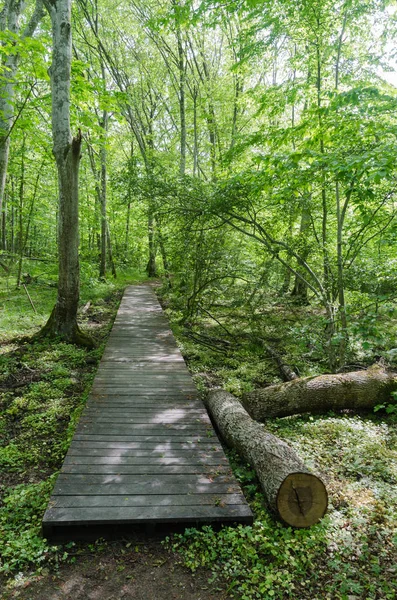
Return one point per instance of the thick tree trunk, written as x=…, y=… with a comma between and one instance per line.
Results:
x=63, y=320
x=297, y=496
x=355, y=390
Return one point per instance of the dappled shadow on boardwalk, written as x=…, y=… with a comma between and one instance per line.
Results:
x=144, y=451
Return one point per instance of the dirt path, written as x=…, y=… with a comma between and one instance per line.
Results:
x=139, y=572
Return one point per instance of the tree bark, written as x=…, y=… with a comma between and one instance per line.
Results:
x=355, y=390
x=110, y=251
x=151, y=265
x=20, y=215
x=63, y=320
x=103, y=190
x=299, y=291
x=10, y=20
x=182, y=77
x=297, y=496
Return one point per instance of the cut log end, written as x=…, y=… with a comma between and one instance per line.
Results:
x=302, y=500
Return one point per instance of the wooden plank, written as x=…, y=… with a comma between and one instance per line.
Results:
x=161, y=445
x=134, y=407
x=150, y=500
x=144, y=460
x=144, y=438
x=151, y=395
x=124, y=454
x=178, y=400
x=141, y=411
x=148, y=428
x=150, y=486
x=106, y=364
x=171, y=479
x=163, y=514
x=149, y=469
x=215, y=452
x=149, y=402
x=148, y=420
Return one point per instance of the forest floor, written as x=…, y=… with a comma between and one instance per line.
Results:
x=143, y=571
x=43, y=387
x=350, y=555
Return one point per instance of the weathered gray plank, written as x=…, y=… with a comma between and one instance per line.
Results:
x=163, y=514
x=141, y=411
x=148, y=420
x=161, y=452
x=150, y=486
x=160, y=438
x=144, y=460
x=150, y=500
x=112, y=429
x=148, y=469
x=159, y=480
x=86, y=447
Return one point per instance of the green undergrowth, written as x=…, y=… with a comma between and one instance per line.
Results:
x=352, y=553
x=43, y=388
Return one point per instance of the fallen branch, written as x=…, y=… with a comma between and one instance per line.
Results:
x=297, y=496
x=286, y=372
x=86, y=307
x=30, y=299
x=217, y=344
x=356, y=390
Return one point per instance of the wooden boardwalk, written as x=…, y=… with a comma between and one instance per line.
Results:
x=144, y=451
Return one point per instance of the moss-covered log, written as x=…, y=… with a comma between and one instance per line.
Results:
x=356, y=390
x=297, y=496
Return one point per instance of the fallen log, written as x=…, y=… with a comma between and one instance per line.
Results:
x=354, y=390
x=297, y=496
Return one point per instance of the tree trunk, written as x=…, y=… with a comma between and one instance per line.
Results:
x=299, y=291
x=110, y=251
x=103, y=155
x=195, y=134
x=163, y=254
x=151, y=266
x=355, y=390
x=4, y=226
x=63, y=320
x=297, y=496
x=21, y=203
x=10, y=18
x=127, y=228
x=182, y=77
